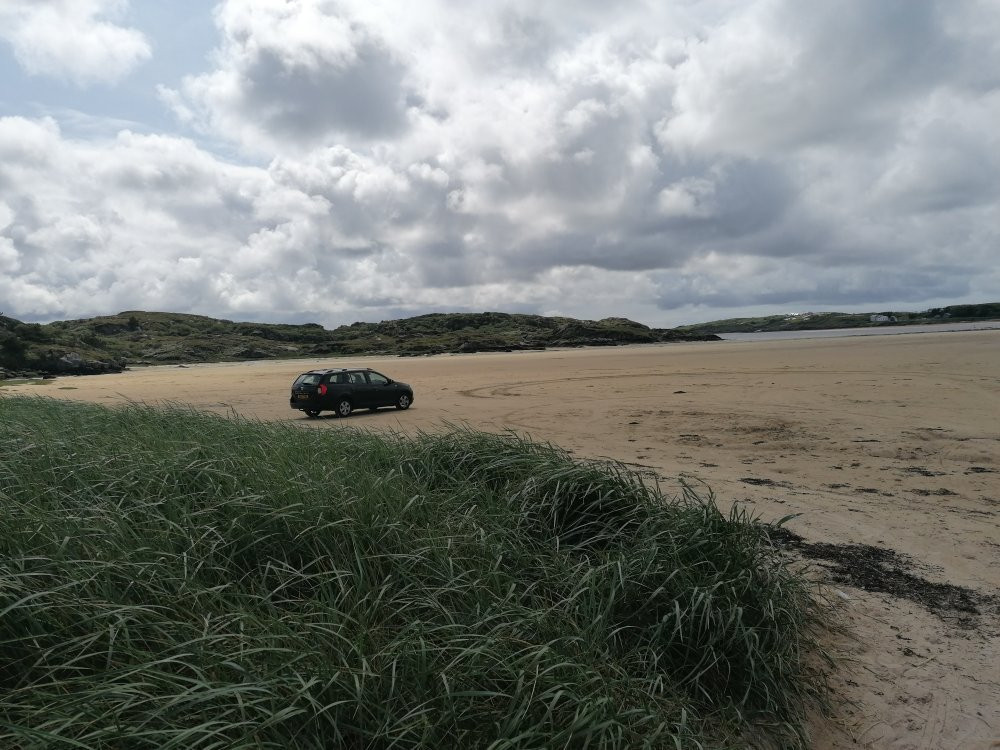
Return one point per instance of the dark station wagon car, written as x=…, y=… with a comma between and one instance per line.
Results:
x=343, y=390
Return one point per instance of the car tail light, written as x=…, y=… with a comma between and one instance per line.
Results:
x=322, y=389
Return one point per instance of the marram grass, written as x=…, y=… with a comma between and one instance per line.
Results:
x=172, y=579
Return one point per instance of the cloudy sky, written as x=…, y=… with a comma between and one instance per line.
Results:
x=672, y=161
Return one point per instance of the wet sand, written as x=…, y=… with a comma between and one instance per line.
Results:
x=888, y=448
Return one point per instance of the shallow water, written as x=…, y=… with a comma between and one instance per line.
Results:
x=887, y=330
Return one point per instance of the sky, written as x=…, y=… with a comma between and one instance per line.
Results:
x=329, y=161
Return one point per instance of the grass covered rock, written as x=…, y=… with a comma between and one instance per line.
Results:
x=172, y=579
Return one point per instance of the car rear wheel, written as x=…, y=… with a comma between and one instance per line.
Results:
x=403, y=402
x=312, y=413
x=344, y=408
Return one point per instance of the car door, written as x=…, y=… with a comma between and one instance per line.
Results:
x=337, y=382
x=361, y=391
x=383, y=394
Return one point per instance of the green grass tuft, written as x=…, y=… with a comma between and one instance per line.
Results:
x=172, y=579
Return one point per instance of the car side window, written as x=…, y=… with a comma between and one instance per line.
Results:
x=339, y=378
x=377, y=378
x=358, y=378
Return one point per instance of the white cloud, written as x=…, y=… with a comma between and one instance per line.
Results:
x=295, y=73
x=690, y=197
x=947, y=156
x=627, y=158
x=6, y=215
x=73, y=40
x=781, y=75
x=10, y=260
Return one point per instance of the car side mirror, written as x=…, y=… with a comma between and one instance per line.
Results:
x=390, y=381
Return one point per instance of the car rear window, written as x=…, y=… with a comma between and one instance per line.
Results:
x=309, y=378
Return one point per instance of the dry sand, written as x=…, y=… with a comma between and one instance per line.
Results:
x=888, y=441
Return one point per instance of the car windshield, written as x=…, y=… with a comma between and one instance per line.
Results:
x=309, y=378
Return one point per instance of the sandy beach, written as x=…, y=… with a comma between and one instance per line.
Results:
x=886, y=447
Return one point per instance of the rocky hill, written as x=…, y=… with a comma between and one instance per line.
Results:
x=110, y=343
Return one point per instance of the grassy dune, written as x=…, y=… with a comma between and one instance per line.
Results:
x=171, y=579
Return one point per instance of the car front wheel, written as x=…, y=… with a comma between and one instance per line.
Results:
x=403, y=402
x=344, y=408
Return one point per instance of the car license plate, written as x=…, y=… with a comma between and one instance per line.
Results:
x=302, y=396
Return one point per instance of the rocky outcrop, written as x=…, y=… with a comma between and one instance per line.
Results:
x=71, y=363
x=104, y=344
x=252, y=352
x=666, y=335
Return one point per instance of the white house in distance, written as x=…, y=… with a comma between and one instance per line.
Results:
x=880, y=318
